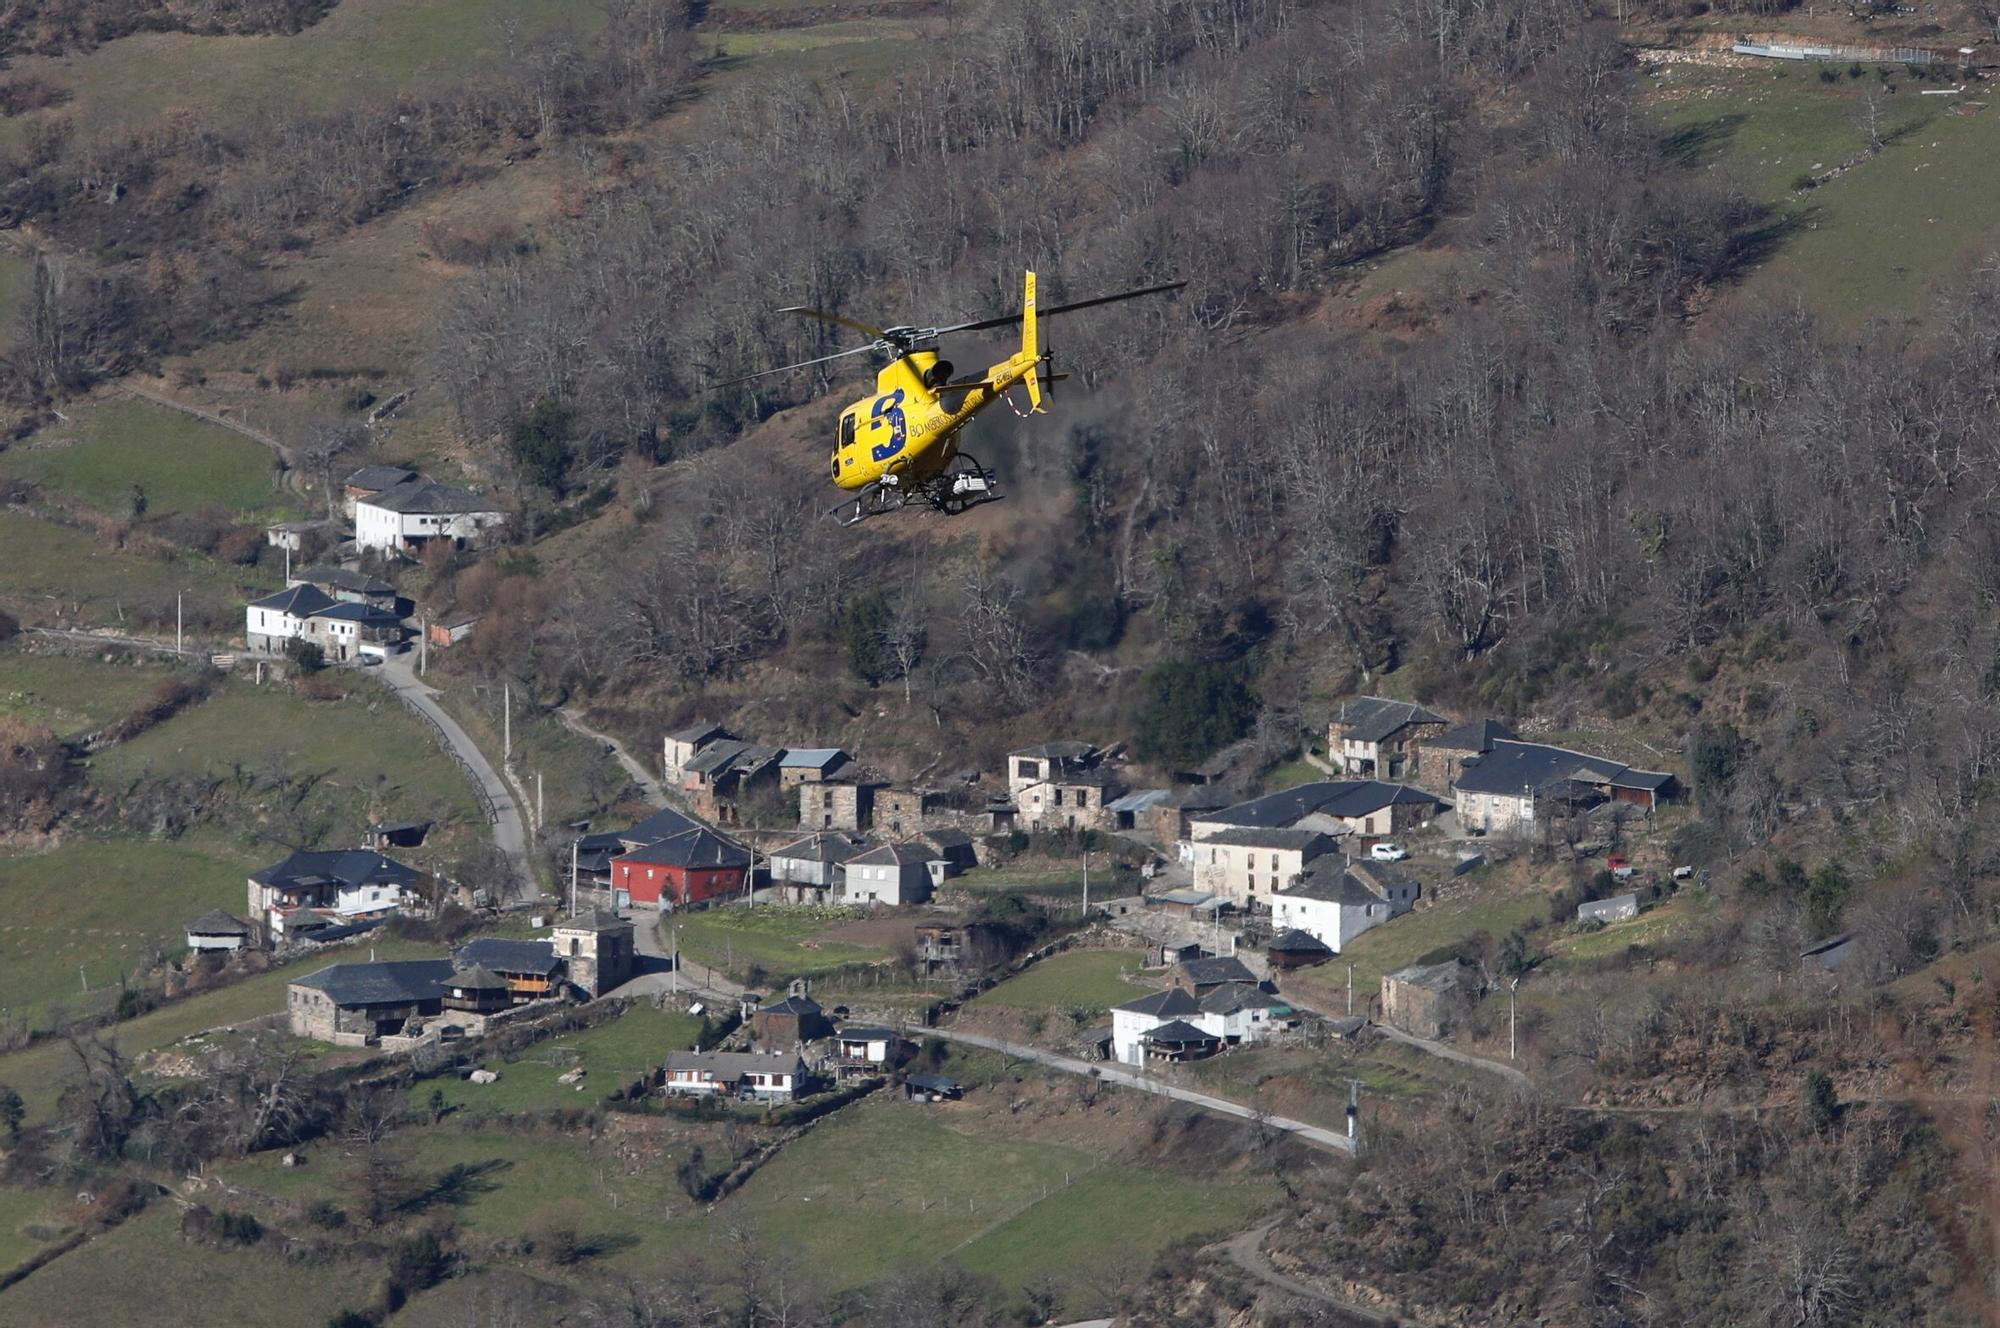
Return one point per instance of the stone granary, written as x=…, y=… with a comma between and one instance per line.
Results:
x=355, y=1004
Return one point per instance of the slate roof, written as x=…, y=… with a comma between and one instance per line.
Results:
x=1381, y=877
x=735, y=1064
x=1143, y=800
x=379, y=477
x=1335, y=885
x=932, y=1083
x=475, y=978
x=1179, y=1033
x=820, y=846
x=1345, y=798
x=595, y=852
x=348, y=611
x=535, y=957
x=1058, y=751
x=699, y=847
x=892, y=855
x=1187, y=896
x=726, y=754
x=1234, y=996
x=1512, y=767
x=340, y=578
x=1434, y=977
x=300, y=601
x=1294, y=941
x=400, y=982
x=1373, y=718
x=217, y=923
x=868, y=1033
x=428, y=496
x=1163, y=1004
x=1474, y=735
x=812, y=758
x=1252, y=837
x=349, y=867
x=1216, y=968
x=658, y=826
x=801, y=1005
x=1594, y=908
x=947, y=839
x=700, y=733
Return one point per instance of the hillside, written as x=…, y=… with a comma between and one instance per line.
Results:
x=1552, y=362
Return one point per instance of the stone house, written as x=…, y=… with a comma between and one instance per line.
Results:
x=1428, y=1001
x=1062, y=786
x=1293, y=948
x=846, y=804
x=902, y=811
x=683, y=744
x=1364, y=808
x=1501, y=791
x=351, y=587
x=1336, y=901
x=1247, y=865
x=1445, y=754
x=812, y=867
x=1373, y=737
x=797, y=1018
x=954, y=848
x=725, y=772
x=356, y=1004
x=597, y=950
x=810, y=765
x=370, y=481
x=1198, y=977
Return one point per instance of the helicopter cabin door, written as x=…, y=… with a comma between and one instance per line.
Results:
x=845, y=454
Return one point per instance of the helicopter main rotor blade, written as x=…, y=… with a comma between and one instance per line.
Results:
x=787, y=368
x=826, y=317
x=1008, y=320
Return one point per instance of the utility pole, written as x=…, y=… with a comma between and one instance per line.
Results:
x=1350, y=989
x=177, y=622
x=1086, y=883
x=538, y=799
x=423, y=645
x=1353, y=1107
x=1511, y=987
x=506, y=723
x=572, y=875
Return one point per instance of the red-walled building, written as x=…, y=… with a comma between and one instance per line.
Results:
x=689, y=868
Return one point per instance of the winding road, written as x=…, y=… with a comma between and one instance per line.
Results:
x=649, y=785
x=1111, y=1072
x=510, y=831
x=1246, y=1251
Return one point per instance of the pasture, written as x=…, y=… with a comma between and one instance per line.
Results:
x=1402, y=941
x=1081, y=979
x=72, y=692
x=63, y=575
x=111, y=447
x=611, y=1054
x=783, y=942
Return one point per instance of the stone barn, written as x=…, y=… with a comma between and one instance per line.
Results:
x=1430, y=1000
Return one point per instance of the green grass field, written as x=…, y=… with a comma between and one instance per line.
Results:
x=55, y=936
x=1652, y=926
x=56, y=574
x=21, y=1209
x=362, y=48
x=144, y=1273
x=612, y=1054
x=1877, y=239
x=1090, y=979
x=72, y=692
x=378, y=762
x=891, y=1183
x=180, y=462
x=785, y=943
x=38, y=1072
x=1399, y=943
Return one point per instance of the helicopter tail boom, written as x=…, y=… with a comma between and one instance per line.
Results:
x=1031, y=347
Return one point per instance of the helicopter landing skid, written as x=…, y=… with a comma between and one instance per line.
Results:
x=963, y=484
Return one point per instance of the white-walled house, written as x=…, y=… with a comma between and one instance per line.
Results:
x=1363, y=807
x=1336, y=902
x=351, y=883
x=404, y=518
x=1232, y=1013
x=1247, y=865
x=774, y=1076
x=271, y=622
x=892, y=874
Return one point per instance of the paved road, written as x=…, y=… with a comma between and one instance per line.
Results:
x=656, y=966
x=510, y=831
x=1246, y=1251
x=1113, y=1073
x=649, y=785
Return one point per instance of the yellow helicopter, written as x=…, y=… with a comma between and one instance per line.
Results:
x=900, y=446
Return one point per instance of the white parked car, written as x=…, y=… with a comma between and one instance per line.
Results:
x=1388, y=852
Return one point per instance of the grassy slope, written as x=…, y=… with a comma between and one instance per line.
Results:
x=380, y=761
x=182, y=463
x=783, y=942
x=144, y=1273
x=612, y=1055
x=74, y=693
x=20, y=1209
x=1089, y=978
x=54, y=573
x=1399, y=943
x=38, y=1071
x=1876, y=239
x=88, y=910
